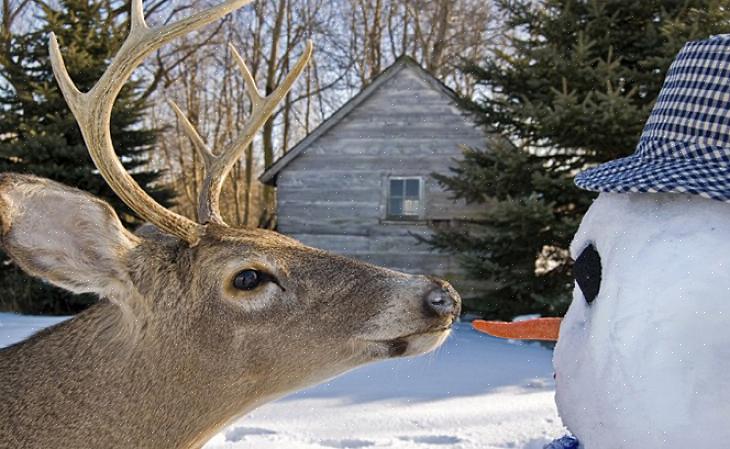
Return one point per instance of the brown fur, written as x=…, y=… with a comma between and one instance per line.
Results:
x=175, y=352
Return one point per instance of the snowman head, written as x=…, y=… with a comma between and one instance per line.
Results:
x=643, y=353
x=643, y=363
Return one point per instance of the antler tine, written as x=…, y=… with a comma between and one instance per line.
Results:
x=93, y=109
x=263, y=107
x=248, y=81
x=137, y=16
x=193, y=135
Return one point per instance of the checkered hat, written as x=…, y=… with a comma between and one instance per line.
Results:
x=685, y=146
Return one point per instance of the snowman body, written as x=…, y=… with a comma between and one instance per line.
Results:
x=646, y=364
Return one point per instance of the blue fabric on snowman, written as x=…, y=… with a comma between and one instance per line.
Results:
x=566, y=442
x=685, y=145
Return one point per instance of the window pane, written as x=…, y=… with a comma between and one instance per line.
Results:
x=410, y=207
x=396, y=187
x=413, y=188
x=395, y=207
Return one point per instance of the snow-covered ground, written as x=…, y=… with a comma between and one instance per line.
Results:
x=474, y=392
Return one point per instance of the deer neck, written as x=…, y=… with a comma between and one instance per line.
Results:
x=156, y=392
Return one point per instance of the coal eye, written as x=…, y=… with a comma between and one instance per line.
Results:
x=587, y=273
x=248, y=280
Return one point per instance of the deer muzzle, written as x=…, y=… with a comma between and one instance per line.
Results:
x=416, y=324
x=442, y=301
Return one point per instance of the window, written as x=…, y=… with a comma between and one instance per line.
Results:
x=404, y=198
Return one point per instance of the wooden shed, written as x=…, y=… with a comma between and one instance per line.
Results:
x=360, y=184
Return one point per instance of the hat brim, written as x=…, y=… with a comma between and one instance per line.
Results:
x=637, y=174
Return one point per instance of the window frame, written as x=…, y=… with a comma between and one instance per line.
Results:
x=421, y=198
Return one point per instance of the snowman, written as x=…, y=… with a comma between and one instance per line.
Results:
x=643, y=355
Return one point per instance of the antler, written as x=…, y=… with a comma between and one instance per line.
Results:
x=93, y=109
x=217, y=167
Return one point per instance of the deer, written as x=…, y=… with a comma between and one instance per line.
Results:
x=198, y=322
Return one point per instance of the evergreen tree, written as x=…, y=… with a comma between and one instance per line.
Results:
x=39, y=135
x=572, y=89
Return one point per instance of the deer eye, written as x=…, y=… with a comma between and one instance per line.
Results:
x=587, y=273
x=248, y=279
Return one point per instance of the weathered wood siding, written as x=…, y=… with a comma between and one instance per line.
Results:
x=333, y=196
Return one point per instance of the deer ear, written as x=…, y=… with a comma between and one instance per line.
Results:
x=63, y=235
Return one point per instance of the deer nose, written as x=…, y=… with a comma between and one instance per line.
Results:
x=443, y=300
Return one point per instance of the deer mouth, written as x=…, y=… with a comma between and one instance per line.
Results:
x=415, y=343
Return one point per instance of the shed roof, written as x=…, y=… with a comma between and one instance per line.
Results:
x=269, y=176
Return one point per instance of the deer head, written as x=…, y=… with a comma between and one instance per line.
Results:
x=203, y=321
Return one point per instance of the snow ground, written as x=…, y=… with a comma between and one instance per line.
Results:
x=474, y=392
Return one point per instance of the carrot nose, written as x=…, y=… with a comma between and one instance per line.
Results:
x=538, y=329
